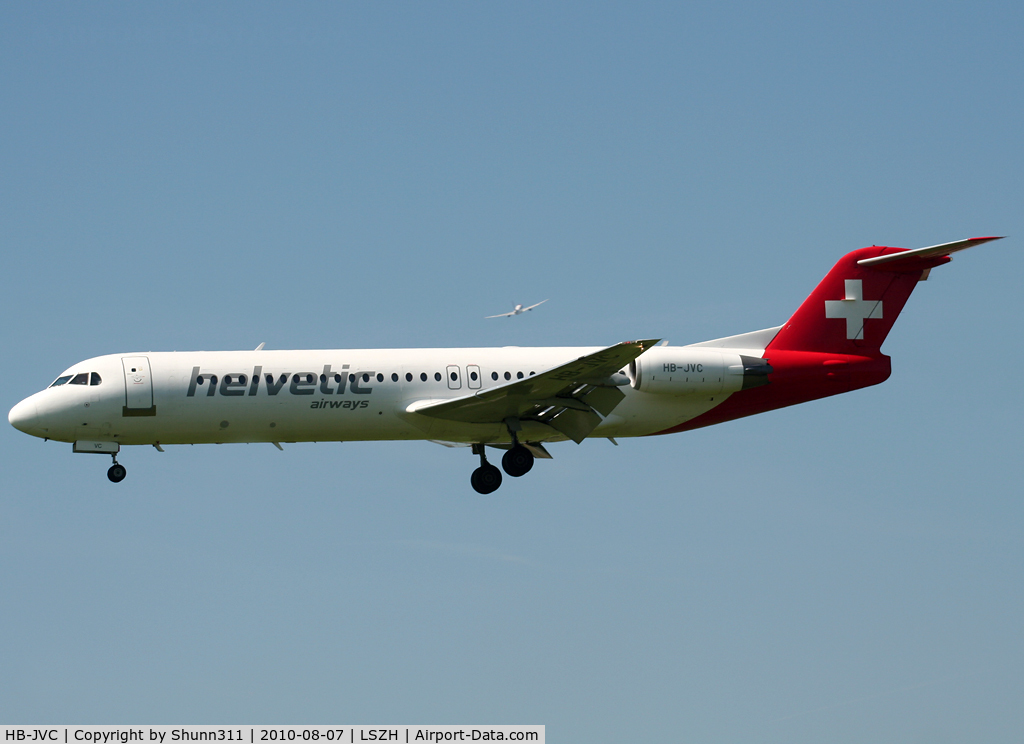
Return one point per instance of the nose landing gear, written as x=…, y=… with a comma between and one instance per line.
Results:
x=116, y=472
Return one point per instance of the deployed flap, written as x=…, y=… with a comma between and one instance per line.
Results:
x=544, y=396
x=604, y=399
x=452, y=445
x=538, y=450
x=575, y=424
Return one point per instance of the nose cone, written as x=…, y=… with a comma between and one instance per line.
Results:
x=25, y=417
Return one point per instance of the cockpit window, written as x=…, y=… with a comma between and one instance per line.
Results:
x=96, y=380
x=82, y=378
x=60, y=381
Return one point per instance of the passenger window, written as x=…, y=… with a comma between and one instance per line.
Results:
x=96, y=379
x=437, y=376
x=394, y=377
x=82, y=378
x=508, y=376
x=494, y=375
x=408, y=376
x=519, y=375
x=380, y=377
x=423, y=376
x=60, y=381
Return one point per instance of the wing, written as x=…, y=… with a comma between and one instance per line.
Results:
x=568, y=397
x=533, y=306
x=503, y=315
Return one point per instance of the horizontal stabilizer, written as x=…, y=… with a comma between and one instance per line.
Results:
x=910, y=260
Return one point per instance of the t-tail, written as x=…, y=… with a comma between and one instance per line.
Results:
x=853, y=308
x=832, y=343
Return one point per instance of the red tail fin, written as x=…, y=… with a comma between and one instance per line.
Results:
x=853, y=308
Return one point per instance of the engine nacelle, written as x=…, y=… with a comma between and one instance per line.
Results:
x=683, y=370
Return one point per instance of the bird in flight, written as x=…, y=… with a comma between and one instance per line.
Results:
x=519, y=310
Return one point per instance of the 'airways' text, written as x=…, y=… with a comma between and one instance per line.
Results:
x=350, y=404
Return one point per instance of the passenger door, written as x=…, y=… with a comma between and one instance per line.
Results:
x=138, y=387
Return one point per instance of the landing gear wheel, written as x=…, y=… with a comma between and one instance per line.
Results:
x=116, y=473
x=485, y=479
x=517, y=461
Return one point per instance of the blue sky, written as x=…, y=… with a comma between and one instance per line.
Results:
x=204, y=176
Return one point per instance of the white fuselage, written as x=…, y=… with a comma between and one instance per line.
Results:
x=344, y=395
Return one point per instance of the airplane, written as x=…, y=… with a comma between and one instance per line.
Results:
x=518, y=310
x=517, y=400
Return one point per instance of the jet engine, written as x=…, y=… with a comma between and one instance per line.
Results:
x=696, y=371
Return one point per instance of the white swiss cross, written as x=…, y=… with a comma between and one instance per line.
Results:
x=855, y=309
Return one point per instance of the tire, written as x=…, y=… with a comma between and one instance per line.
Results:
x=485, y=479
x=116, y=473
x=517, y=461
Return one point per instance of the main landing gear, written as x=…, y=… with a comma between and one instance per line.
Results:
x=486, y=478
x=116, y=472
x=516, y=461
